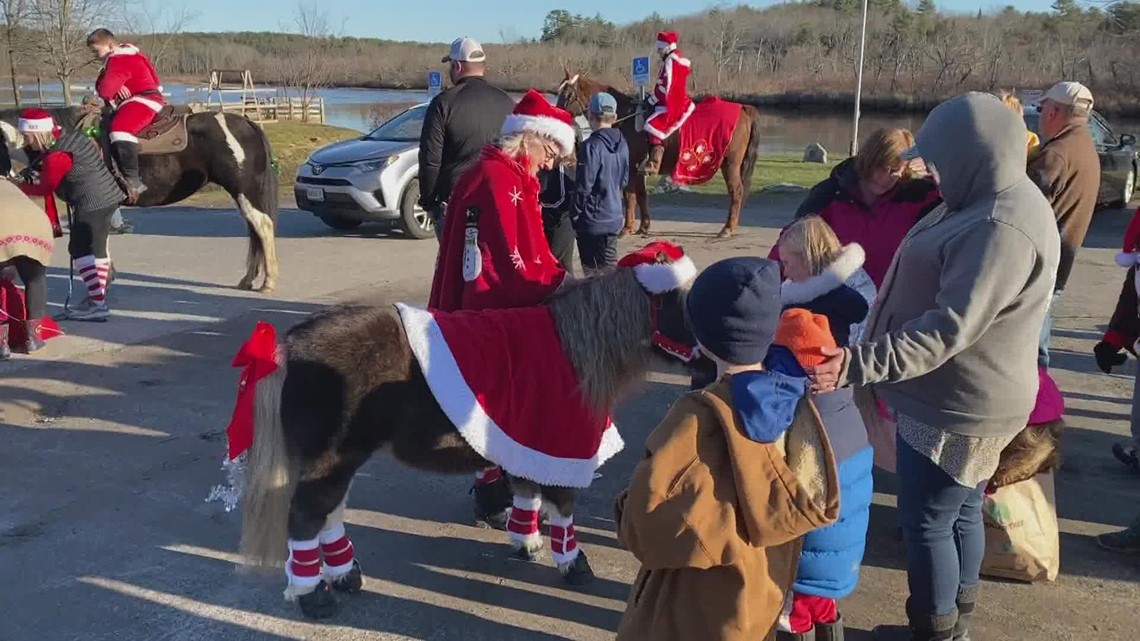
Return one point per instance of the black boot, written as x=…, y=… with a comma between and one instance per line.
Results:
x=830, y=631
x=966, y=601
x=493, y=503
x=34, y=341
x=5, y=353
x=792, y=636
x=127, y=157
x=922, y=627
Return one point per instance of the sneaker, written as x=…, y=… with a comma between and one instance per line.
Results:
x=1126, y=541
x=91, y=312
x=1126, y=453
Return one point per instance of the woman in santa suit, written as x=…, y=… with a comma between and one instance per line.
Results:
x=493, y=252
x=70, y=166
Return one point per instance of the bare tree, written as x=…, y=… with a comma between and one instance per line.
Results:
x=312, y=67
x=61, y=28
x=15, y=28
x=156, y=25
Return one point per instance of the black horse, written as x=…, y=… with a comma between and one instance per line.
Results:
x=228, y=150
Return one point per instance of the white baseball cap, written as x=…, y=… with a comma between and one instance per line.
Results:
x=465, y=50
x=1073, y=94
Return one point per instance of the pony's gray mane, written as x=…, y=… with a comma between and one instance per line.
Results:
x=604, y=325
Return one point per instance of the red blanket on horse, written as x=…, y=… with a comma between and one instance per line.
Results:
x=704, y=140
x=502, y=377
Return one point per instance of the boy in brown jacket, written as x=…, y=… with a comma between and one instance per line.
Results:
x=733, y=477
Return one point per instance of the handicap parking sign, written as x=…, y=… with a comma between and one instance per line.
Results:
x=641, y=71
x=435, y=83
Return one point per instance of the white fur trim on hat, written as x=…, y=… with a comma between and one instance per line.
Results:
x=658, y=278
x=36, y=126
x=665, y=46
x=1127, y=259
x=560, y=132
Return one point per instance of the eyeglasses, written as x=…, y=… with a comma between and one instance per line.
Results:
x=551, y=152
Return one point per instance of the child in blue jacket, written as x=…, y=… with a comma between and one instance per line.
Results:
x=598, y=208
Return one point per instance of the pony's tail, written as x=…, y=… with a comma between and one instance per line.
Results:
x=270, y=480
x=753, y=152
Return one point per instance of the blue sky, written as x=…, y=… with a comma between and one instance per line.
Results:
x=443, y=20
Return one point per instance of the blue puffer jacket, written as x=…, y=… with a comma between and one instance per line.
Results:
x=831, y=557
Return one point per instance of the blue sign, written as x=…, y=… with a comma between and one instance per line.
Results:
x=435, y=83
x=641, y=71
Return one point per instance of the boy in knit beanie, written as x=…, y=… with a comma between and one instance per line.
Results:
x=733, y=476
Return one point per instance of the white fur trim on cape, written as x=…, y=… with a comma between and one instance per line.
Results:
x=560, y=132
x=1127, y=259
x=660, y=109
x=659, y=278
x=480, y=431
x=124, y=50
x=36, y=126
x=837, y=273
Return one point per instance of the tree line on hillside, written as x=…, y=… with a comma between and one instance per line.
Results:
x=915, y=54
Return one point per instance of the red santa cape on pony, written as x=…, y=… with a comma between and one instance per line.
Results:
x=705, y=137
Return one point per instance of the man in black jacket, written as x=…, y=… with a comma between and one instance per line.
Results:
x=459, y=122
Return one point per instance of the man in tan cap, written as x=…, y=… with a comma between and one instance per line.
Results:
x=1067, y=169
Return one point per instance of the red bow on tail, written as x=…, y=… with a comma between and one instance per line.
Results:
x=258, y=357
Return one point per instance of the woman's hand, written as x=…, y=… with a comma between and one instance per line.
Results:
x=825, y=376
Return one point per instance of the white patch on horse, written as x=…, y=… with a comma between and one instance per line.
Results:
x=11, y=134
x=259, y=219
x=234, y=145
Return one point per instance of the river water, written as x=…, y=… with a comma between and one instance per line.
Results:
x=781, y=131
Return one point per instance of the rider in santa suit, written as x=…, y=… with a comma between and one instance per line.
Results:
x=130, y=84
x=670, y=100
x=493, y=252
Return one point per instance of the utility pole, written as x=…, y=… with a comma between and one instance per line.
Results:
x=859, y=85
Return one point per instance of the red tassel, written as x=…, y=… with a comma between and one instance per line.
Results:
x=258, y=357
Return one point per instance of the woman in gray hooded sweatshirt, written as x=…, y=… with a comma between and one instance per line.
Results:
x=951, y=346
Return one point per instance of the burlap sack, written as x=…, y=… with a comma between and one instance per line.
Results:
x=880, y=428
x=1022, y=539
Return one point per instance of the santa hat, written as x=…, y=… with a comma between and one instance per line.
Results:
x=37, y=121
x=1131, y=251
x=655, y=277
x=535, y=114
x=806, y=335
x=666, y=41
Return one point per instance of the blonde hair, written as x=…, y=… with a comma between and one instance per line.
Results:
x=1013, y=102
x=883, y=150
x=813, y=241
x=43, y=139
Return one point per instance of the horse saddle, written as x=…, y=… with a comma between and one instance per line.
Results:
x=166, y=134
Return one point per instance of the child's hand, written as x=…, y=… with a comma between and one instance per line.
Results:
x=825, y=376
x=1108, y=357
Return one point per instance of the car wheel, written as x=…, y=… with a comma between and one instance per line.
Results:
x=415, y=221
x=340, y=222
x=1129, y=189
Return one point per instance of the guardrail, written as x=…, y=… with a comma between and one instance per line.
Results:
x=270, y=109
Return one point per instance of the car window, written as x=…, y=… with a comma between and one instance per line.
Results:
x=1032, y=120
x=403, y=127
x=1101, y=133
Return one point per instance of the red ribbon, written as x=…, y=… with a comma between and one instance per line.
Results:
x=258, y=357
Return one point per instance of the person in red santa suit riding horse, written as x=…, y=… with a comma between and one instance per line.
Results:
x=130, y=85
x=493, y=252
x=670, y=100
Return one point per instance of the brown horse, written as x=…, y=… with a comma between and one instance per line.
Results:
x=349, y=383
x=739, y=160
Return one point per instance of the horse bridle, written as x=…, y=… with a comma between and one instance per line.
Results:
x=577, y=96
x=684, y=353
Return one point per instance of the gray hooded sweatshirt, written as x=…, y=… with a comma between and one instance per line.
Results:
x=953, y=336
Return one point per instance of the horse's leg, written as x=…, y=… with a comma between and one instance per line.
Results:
x=643, y=204
x=732, y=178
x=522, y=528
x=319, y=495
x=630, y=206
x=262, y=246
x=564, y=548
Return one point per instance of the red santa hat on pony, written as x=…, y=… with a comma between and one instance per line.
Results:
x=658, y=278
x=536, y=115
x=37, y=121
x=666, y=41
x=1130, y=254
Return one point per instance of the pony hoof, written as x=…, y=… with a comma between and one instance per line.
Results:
x=727, y=232
x=643, y=230
x=245, y=284
x=528, y=552
x=625, y=231
x=267, y=288
x=350, y=583
x=578, y=573
x=318, y=604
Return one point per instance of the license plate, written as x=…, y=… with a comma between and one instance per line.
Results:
x=315, y=194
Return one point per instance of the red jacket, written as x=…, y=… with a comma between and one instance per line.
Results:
x=493, y=252
x=128, y=67
x=880, y=229
x=1124, y=326
x=671, y=90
